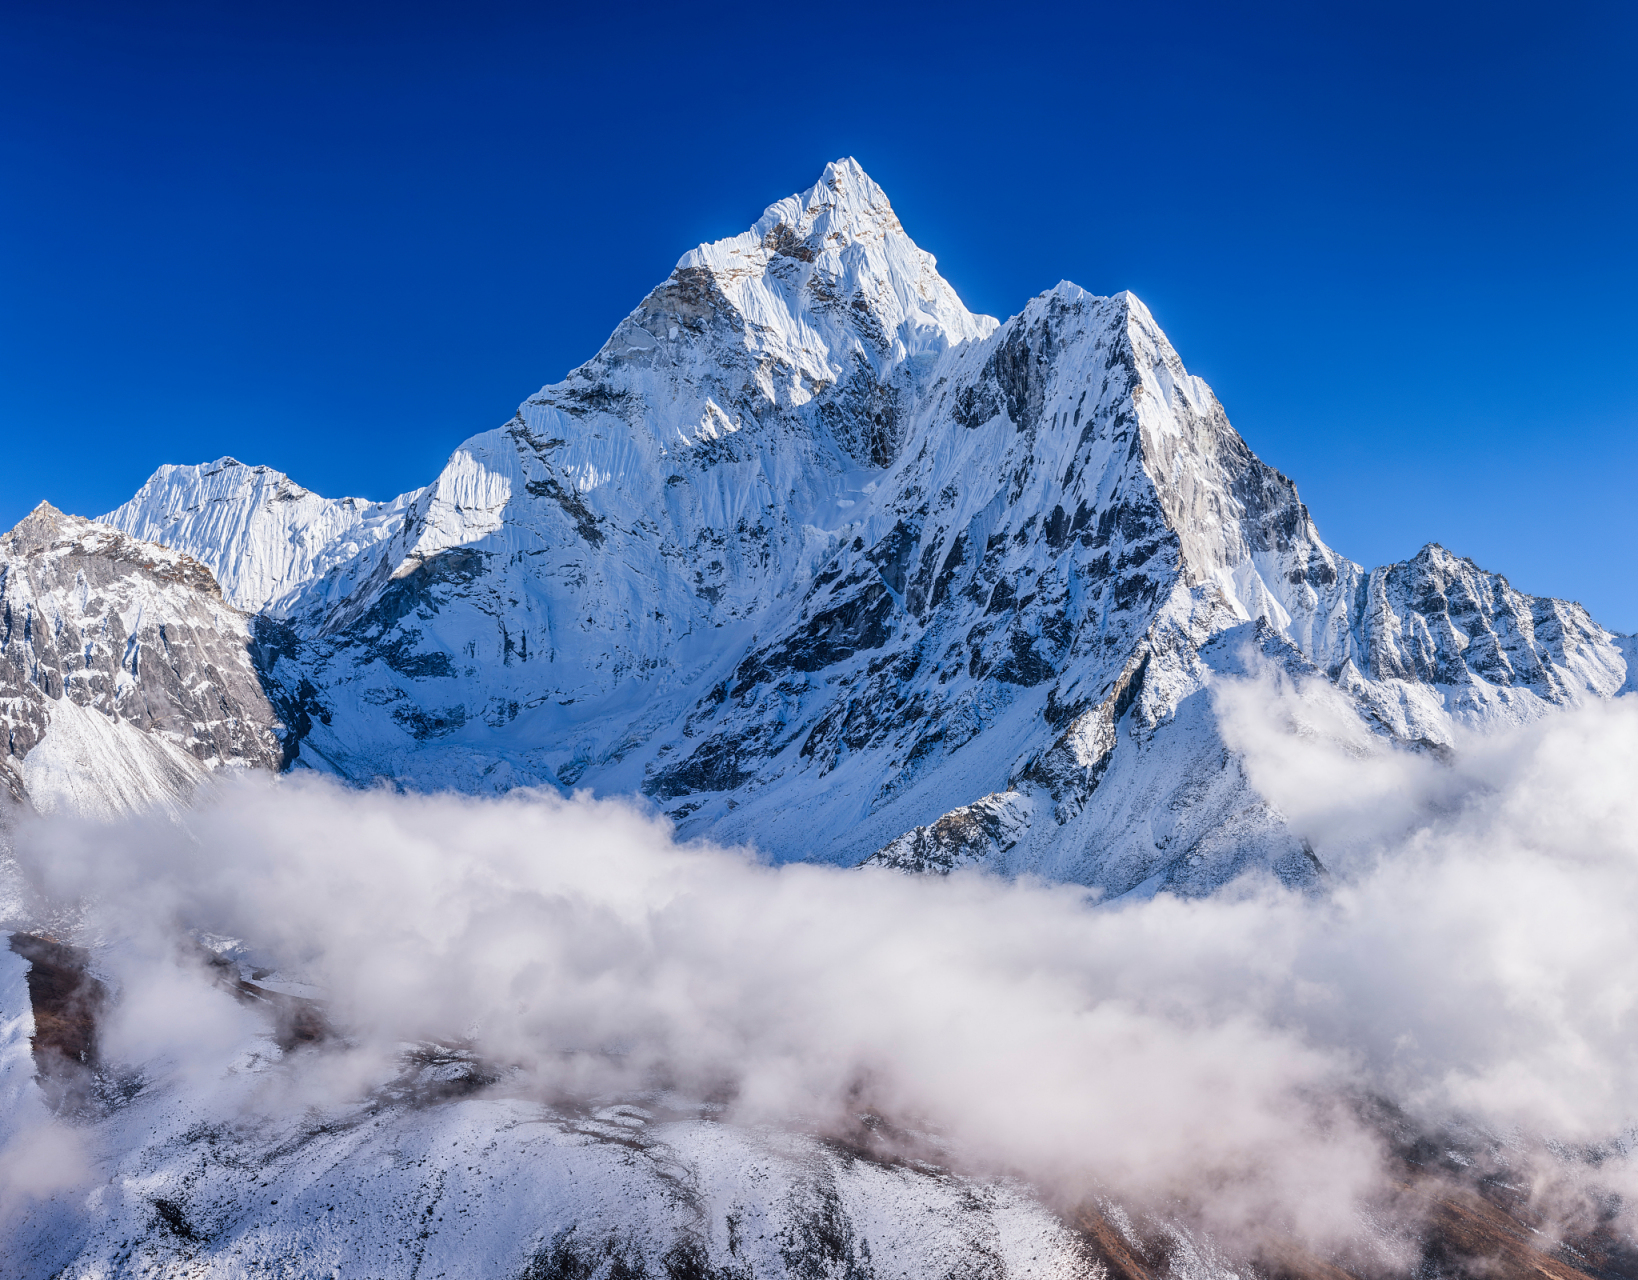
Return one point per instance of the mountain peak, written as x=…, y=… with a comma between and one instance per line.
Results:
x=834, y=261
x=822, y=316
x=258, y=531
x=845, y=207
x=804, y=528
x=37, y=528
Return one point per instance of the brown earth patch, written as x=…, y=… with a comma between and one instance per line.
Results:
x=67, y=1002
x=296, y=1021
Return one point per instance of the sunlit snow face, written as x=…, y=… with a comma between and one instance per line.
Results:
x=1469, y=958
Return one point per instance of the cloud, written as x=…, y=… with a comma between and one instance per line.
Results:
x=1469, y=961
x=1474, y=947
x=38, y=1160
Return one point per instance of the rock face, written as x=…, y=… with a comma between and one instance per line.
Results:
x=125, y=678
x=812, y=556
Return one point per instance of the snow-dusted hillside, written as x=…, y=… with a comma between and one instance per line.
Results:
x=125, y=678
x=812, y=556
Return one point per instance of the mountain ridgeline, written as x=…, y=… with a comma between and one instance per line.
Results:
x=813, y=557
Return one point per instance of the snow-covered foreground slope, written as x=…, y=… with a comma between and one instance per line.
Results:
x=812, y=556
x=125, y=678
x=419, y=1179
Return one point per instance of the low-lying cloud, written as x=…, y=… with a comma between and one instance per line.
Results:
x=1469, y=960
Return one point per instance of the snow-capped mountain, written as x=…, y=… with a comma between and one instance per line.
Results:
x=811, y=557
x=271, y=544
x=806, y=531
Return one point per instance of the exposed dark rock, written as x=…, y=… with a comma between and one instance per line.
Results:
x=185, y=672
x=173, y=1219
x=424, y=725
x=864, y=414
x=713, y=766
x=861, y=621
x=585, y=522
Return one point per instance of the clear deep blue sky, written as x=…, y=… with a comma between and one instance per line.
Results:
x=1397, y=240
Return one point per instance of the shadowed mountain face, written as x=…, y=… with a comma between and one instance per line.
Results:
x=811, y=556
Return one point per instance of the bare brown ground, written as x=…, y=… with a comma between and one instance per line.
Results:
x=67, y=1002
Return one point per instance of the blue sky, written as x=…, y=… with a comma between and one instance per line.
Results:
x=1397, y=240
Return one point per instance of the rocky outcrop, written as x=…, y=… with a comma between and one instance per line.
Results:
x=1438, y=621
x=125, y=678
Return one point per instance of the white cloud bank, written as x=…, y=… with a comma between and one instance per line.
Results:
x=1472, y=958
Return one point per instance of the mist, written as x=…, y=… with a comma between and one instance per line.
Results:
x=1467, y=961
